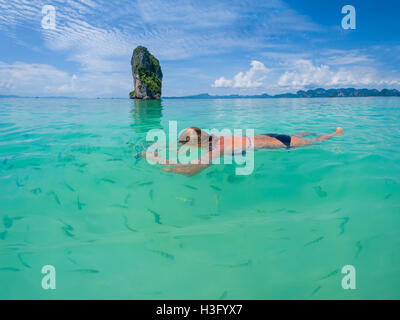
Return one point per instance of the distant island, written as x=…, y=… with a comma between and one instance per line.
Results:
x=8, y=96
x=316, y=93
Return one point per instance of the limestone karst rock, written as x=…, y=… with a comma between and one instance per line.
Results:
x=147, y=75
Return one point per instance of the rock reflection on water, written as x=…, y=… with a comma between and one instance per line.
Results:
x=147, y=115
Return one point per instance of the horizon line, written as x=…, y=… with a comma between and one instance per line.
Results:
x=237, y=96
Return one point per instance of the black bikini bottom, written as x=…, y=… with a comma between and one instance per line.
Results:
x=286, y=140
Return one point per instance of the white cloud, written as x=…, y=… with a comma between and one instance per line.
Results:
x=45, y=80
x=111, y=29
x=18, y=77
x=304, y=74
x=251, y=79
x=346, y=57
x=222, y=83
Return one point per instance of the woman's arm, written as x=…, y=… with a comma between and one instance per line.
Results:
x=154, y=155
x=187, y=169
x=196, y=166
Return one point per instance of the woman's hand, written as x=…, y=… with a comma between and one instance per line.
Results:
x=153, y=156
x=187, y=169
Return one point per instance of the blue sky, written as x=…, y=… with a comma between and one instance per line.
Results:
x=219, y=47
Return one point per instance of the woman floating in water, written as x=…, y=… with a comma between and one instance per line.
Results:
x=218, y=146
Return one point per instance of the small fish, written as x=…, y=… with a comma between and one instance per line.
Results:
x=120, y=206
x=69, y=187
x=36, y=191
x=389, y=195
x=114, y=159
x=359, y=248
x=343, y=224
x=212, y=173
x=19, y=255
x=237, y=265
x=18, y=183
x=314, y=241
x=209, y=216
x=320, y=192
x=127, y=225
x=131, y=185
x=333, y=273
x=223, y=295
x=10, y=269
x=80, y=204
x=86, y=271
x=215, y=188
x=217, y=201
x=151, y=192
x=390, y=182
x=137, y=157
x=80, y=165
x=164, y=254
x=316, y=290
x=337, y=210
x=8, y=222
x=234, y=179
x=143, y=184
x=66, y=158
x=190, y=201
x=108, y=180
x=108, y=154
x=68, y=229
x=157, y=217
x=66, y=225
x=3, y=235
x=68, y=233
x=190, y=187
x=128, y=196
x=52, y=193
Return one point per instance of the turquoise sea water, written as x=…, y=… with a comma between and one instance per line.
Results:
x=73, y=196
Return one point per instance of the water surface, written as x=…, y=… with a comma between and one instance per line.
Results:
x=73, y=196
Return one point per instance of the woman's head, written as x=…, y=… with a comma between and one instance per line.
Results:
x=194, y=136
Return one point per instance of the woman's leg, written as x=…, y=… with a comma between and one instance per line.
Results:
x=303, y=134
x=297, y=142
